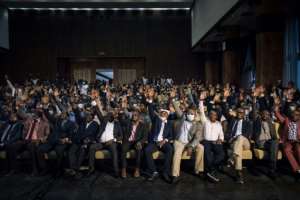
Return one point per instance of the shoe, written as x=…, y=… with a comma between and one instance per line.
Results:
x=199, y=174
x=240, y=178
x=212, y=177
x=123, y=173
x=136, y=173
x=166, y=177
x=176, y=179
x=91, y=172
x=71, y=172
x=78, y=175
x=272, y=174
x=11, y=173
x=230, y=163
x=153, y=177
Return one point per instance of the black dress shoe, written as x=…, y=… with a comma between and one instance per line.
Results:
x=272, y=174
x=91, y=172
x=166, y=177
x=153, y=177
x=239, y=177
x=176, y=179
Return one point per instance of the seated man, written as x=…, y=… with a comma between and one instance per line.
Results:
x=109, y=133
x=134, y=137
x=188, y=134
x=290, y=137
x=85, y=136
x=213, y=139
x=239, y=133
x=266, y=138
x=59, y=140
x=159, y=139
x=35, y=132
x=10, y=133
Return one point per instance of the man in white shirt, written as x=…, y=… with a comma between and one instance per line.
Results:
x=110, y=132
x=213, y=139
x=188, y=134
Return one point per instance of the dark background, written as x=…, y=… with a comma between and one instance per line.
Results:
x=39, y=38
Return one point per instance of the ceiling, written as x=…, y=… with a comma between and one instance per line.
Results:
x=97, y=3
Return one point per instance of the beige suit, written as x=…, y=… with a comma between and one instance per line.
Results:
x=195, y=135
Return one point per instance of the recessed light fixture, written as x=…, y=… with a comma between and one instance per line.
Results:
x=88, y=9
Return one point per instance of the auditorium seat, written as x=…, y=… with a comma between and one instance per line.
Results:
x=261, y=154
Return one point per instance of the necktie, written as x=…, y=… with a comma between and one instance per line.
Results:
x=234, y=128
x=30, y=133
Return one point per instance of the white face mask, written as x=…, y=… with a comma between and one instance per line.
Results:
x=190, y=117
x=94, y=103
x=163, y=118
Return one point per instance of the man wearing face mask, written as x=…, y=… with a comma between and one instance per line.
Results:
x=239, y=133
x=188, y=134
x=159, y=139
x=109, y=133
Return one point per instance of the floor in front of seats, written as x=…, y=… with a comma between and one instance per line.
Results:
x=103, y=186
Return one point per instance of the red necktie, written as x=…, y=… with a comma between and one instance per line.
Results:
x=31, y=130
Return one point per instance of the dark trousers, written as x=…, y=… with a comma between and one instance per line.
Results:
x=213, y=155
x=168, y=152
x=271, y=146
x=111, y=147
x=41, y=151
x=77, y=153
x=60, y=150
x=46, y=148
x=127, y=146
x=14, y=149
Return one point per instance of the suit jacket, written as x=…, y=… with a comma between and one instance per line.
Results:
x=118, y=133
x=86, y=134
x=156, y=126
x=15, y=132
x=43, y=128
x=196, y=133
x=141, y=131
x=60, y=130
x=257, y=130
x=232, y=127
x=285, y=132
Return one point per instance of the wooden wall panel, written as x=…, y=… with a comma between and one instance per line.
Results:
x=38, y=39
x=269, y=57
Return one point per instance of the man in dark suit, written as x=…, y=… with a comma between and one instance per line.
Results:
x=59, y=140
x=266, y=138
x=238, y=136
x=110, y=132
x=10, y=133
x=134, y=137
x=159, y=139
x=35, y=132
x=85, y=136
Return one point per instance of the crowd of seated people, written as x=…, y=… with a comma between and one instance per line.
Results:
x=214, y=123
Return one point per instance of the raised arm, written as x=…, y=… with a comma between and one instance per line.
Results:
x=11, y=86
x=280, y=117
x=201, y=108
